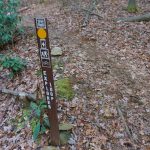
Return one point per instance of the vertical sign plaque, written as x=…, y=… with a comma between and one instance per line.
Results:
x=46, y=65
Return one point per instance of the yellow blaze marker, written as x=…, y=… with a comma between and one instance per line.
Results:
x=41, y=33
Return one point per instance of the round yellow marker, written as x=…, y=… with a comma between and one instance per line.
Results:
x=41, y=33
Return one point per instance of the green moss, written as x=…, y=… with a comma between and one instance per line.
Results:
x=132, y=9
x=64, y=88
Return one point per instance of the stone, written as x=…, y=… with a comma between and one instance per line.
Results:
x=71, y=141
x=56, y=51
x=49, y=148
x=72, y=147
x=118, y=135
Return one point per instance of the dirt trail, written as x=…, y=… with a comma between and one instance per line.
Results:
x=116, y=73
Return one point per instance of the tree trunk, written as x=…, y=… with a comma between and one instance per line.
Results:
x=132, y=7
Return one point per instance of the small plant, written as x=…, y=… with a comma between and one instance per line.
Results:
x=38, y=73
x=14, y=64
x=8, y=20
x=37, y=117
x=64, y=88
x=40, y=122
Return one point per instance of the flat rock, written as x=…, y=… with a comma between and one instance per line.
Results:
x=71, y=141
x=56, y=51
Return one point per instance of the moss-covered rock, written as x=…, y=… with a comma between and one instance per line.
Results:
x=64, y=89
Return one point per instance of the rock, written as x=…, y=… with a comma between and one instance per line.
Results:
x=135, y=99
x=49, y=148
x=71, y=141
x=107, y=113
x=7, y=128
x=147, y=131
x=57, y=76
x=72, y=147
x=118, y=135
x=56, y=51
x=72, y=119
x=147, y=110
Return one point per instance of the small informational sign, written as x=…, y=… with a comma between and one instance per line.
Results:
x=46, y=65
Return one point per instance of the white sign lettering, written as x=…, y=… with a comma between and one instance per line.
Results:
x=43, y=43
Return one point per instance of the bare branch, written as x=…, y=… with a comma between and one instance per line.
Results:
x=22, y=95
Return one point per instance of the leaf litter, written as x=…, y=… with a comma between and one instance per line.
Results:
x=108, y=63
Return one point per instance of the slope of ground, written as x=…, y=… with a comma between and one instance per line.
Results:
x=108, y=63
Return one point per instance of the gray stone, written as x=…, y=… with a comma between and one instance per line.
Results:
x=147, y=131
x=118, y=135
x=72, y=147
x=71, y=141
x=56, y=51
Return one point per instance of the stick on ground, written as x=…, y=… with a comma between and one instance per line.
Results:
x=21, y=95
x=89, y=12
x=145, y=17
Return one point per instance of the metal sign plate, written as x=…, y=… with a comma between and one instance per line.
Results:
x=41, y=23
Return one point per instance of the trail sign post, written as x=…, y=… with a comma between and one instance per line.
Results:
x=46, y=65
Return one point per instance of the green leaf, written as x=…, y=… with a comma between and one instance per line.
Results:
x=46, y=122
x=33, y=123
x=43, y=129
x=65, y=126
x=36, y=131
x=64, y=137
x=16, y=68
x=43, y=105
x=33, y=105
x=35, y=108
x=38, y=112
x=11, y=75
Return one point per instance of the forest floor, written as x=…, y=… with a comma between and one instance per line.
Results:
x=109, y=65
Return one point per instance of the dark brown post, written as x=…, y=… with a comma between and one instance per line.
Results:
x=46, y=65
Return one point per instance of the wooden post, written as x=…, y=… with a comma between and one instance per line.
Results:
x=46, y=65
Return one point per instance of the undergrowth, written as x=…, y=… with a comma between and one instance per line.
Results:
x=14, y=64
x=9, y=20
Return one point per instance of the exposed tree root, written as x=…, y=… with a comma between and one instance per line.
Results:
x=145, y=17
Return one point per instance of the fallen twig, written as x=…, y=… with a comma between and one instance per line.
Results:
x=23, y=9
x=94, y=14
x=89, y=12
x=124, y=122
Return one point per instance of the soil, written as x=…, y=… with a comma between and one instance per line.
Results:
x=108, y=63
